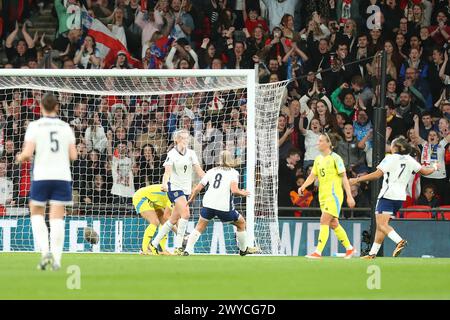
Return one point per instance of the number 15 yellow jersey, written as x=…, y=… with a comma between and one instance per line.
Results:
x=329, y=170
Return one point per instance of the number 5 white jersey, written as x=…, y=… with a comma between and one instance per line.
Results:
x=181, y=177
x=52, y=138
x=397, y=171
x=218, y=196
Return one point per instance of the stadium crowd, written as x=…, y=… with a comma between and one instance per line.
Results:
x=122, y=140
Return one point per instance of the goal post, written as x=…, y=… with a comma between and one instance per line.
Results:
x=122, y=117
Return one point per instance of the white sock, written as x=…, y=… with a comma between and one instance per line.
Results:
x=182, y=225
x=242, y=240
x=394, y=236
x=193, y=238
x=165, y=229
x=375, y=248
x=40, y=232
x=57, y=227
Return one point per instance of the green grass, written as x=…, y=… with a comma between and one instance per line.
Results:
x=110, y=276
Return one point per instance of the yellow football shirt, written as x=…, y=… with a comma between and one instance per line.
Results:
x=150, y=198
x=329, y=170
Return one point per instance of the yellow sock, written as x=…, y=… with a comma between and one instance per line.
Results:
x=148, y=235
x=342, y=237
x=323, y=237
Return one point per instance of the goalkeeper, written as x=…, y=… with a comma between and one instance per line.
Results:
x=155, y=207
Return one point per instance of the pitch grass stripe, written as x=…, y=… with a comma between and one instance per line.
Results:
x=107, y=276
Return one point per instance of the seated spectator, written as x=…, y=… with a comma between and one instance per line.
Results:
x=152, y=137
x=6, y=186
x=95, y=136
x=428, y=197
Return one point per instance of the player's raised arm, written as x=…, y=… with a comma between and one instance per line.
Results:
x=368, y=177
x=240, y=192
x=427, y=171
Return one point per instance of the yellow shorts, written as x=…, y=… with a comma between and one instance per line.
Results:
x=157, y=202
x=332, y=206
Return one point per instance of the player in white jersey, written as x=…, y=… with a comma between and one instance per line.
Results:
x=397, y=170
x=177, y=182
x=53, y=143
x=222, y=182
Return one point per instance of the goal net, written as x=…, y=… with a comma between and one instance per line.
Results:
x=123, y=126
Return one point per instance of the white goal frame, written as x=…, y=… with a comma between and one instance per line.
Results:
x=249, y=74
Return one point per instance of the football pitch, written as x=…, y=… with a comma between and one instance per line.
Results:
x=127, y=276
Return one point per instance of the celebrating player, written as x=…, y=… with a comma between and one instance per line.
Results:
x=218, y=202
x=397, y=170
x=329, y=168
x=177, y=182
x=155, y=207
x=54, y=143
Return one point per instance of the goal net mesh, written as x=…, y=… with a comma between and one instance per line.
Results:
x=123, y=127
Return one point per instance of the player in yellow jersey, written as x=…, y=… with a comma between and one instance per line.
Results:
x=155, y=207
x=330, y=170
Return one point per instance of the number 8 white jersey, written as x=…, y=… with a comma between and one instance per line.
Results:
x=397, y=171
x=218, y=196
x=52, y=138
x=181, y=177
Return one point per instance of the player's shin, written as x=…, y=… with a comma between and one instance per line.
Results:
x=193, y=238
x=323, y=237
x=40, y=232
x=242, y=240
x=148, y=235
x=165, y=229
x=57, y=239
x=342, y=237
x=182, y=225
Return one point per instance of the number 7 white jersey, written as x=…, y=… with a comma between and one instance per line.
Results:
x=52, y=138
x=397, y=170
x=219, y=196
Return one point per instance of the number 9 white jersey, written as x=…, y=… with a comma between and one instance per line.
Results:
x=219, y=196
x=52, y=138
x=397, y=171
x=181, y=177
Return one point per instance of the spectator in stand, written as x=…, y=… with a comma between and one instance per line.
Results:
x=348, y=148
x=426, y=125
x=122, y=175
x=98, y=193
x=311, y=139
x=95, y=136
x=24, y=50
x=428, y=197
x=182, y=23
x=87, y=57
x=284, y=136
x=150, y=167
x=6, y=186
x=286, y=173
x=433, y=151
x=393, y=120
x=80, y=169
x=79, y=120
x=253, y=19
x=154, y=138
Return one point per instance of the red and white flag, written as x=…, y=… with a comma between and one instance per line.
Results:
x=107, y=44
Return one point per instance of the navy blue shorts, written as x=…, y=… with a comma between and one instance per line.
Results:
x=224, y=216
x=175, y=194
x=53, y=191
x=388, y=206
